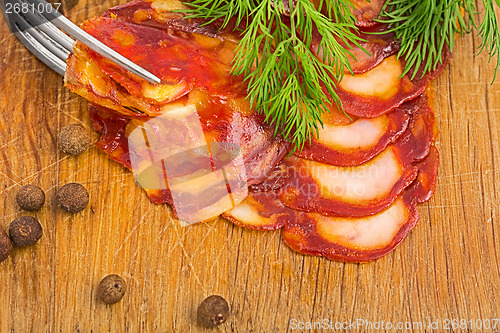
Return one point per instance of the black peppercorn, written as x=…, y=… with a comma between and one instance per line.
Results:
x=74, y=139
x=111, y=289
x=5, y=246
x=25, y=231
x=30, y=197
x=73, y=197
x=213, y=311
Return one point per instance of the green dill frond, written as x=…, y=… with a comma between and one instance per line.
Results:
x=489, y=32
x=286, y=81
x=425, y=27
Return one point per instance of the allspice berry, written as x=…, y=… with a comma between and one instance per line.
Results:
x=74, y=139
x=30, y=197
x=213, y=311
x=25, y=231
x=5, y=246
x=73, y=197
x=111, y=289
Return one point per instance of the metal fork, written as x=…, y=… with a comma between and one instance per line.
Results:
x=38, y=30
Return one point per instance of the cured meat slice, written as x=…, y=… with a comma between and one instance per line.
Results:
x=359, y=141
x=347, y=191
x=375, y=47
x=364, y=238
x=377, y=85
x=352, y=239
x=365, y=189
x=381, y=89
x=366, y=11
x=262, y=211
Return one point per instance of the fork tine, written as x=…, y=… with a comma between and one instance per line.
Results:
x=51, y=45
x=48, y=43
x=74, y=31
x=41, y=52
x=48, y=28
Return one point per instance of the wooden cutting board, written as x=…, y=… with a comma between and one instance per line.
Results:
x=447, y=268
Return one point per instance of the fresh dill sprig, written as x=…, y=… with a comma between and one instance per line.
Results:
x=489, y=31
x=286, y=80
x=425, y=27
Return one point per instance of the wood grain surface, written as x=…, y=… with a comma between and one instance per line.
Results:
x=447, y=268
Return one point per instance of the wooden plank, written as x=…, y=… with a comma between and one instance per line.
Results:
x=448, y=267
